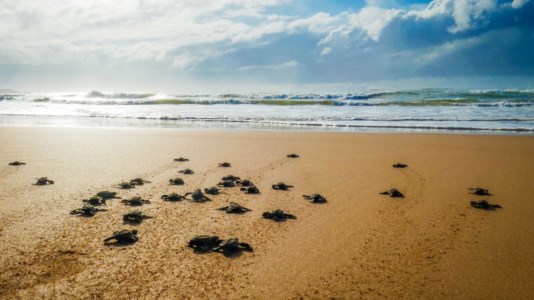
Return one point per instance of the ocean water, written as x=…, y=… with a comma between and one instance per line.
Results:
x=497, y=110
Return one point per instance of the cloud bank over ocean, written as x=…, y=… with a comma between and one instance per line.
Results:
x=171, y=45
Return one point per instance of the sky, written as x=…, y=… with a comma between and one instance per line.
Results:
x=259, y=45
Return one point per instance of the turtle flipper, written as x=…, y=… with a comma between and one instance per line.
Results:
x=108, y=239
x=290, y=216
x=246, y=247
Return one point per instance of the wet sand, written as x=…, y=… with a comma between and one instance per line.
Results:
x=431, y=244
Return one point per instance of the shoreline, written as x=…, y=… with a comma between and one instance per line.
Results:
x=220, y=124
x=431, y=244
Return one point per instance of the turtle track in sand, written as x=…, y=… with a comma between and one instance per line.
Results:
x=160, y=254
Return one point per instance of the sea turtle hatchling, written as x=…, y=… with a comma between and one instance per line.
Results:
x=125, y=185
x=245, y=182
x=293, y=155
x=197, y=196
x=87, y=211
x=172, y=197
x=480, y=191
x=232, y=245
x=186, y=171
x=234, y=208
x=225, y=165
x=181, y=159
x=204, y=243
x=43, y=181
x=483, y=204
x=399, y=165
x=315, y=198
x=278, y=215
x=393, y=193
x=231, y=177
x=135, y=217
x=138, y=181
x=250, y=189
x=107, y=194
x=122, y=237
x=135, y=201
x=16, y=163
x=213, y=191
x=226, y=183
x=176, y=181
x=95, y=201
x=281, y=186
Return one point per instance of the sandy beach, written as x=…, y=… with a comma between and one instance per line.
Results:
x=430, y=245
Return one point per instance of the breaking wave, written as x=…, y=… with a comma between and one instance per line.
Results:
x=440, y=109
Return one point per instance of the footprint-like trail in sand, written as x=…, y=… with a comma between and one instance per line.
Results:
x=77, y=245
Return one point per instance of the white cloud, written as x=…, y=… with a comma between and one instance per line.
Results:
x=326, y=51
x=182, y=35
x=518, y=3
x=465, y=13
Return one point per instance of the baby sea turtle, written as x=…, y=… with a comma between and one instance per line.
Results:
x=399, y=165
x=95, y=201
x=480, y=191
x=138, y=181
x=125, y=185
x=87, y=211
x=135, y=201
x=483, y=204
x=122, y=237
x=204, y=243
x=16, y=163
x=393, y=193
x=186, y=171
x=278, y=215
x=226, y=183
x=197, y=196
x=181, y=159
x=281, y=186
x=230, y=177
x=315, y=198
x=245, y=182
x=293, y=155
x=213, y=191
x=232, y=245
x=173, y=197
x=43, y=181
x=135, y=217
x=107, y=194
x=234, y=208
x=225, y=165
x=176, y=181
x=250, y=190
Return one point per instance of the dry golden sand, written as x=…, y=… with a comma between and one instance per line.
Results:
x=430, y=245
